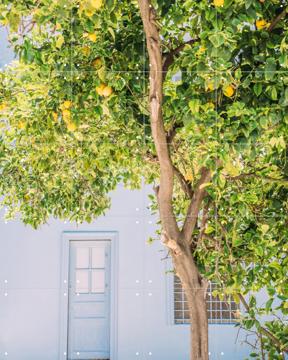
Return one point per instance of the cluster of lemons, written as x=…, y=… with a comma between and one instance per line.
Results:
x=66, y=115
x=228, y=90
x=104, y=90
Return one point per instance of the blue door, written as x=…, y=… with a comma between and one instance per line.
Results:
x=89, y=299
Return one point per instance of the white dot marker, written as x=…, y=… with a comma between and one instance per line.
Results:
x=137, y=209
x=6, y=294
x=78, y=353
x=137, y=221
x=222, y=353
x=5, y=281
x=150, y=281
x=150, y=294
x=137, y=294
x=65, y=294
x=6, y=353
x=137, y=353
x=64, y=353
x=137, y=281
x=209, y=353
x=150, y=353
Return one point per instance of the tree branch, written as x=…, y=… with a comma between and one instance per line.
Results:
x=165, y=194
x=264, y=331
x=194, y=207
x=170, y=56
x=185, y=185
x=277, y=19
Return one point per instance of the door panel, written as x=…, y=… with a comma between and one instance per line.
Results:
x=89, y=300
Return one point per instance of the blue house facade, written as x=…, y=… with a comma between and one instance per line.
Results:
x=96, y=291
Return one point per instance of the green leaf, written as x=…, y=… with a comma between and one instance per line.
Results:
x=194, y=106
x=257, y=89
x=217, y=39
x=270, y=68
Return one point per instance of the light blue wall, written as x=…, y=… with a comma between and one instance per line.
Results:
x=31, y=263
x=6, y=55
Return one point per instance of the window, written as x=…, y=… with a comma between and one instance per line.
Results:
x=219, y=311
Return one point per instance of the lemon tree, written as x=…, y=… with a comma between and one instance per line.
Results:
x=192, y=97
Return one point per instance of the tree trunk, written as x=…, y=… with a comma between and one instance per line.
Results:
x=195, y=289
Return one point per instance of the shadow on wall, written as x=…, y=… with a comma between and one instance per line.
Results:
x=6, y=54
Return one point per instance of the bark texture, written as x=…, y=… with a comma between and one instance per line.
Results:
x=177, y=241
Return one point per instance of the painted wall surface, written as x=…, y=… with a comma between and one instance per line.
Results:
x=6, y=55
x=30, y=289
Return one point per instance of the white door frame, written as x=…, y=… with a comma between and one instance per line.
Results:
x=68, y=236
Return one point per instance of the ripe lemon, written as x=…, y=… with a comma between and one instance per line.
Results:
x=55, y=116
x=3, y=106
x=97, y=63
x=107, y=91
x=71, y=126
x=100, y=88
x=218, y=3
x=228, y=91
x=261, y=24
x=92, y=37
x=67, y=104
x=96, y=4
x=66, y=115
x=21, y=125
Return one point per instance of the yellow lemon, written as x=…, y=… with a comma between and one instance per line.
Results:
x=96, y=4
x=55, y=116
x=21, y=125
x=218, y=3
x=107, y=91
x=261, y=24
x=3, y=106
x=66, y=115
x=97, y=63
x=228, y=91
x=210, y=86
x=71, y=126
x=92, y=37
x=100, y=89
x=67, y=104
x=85, y=50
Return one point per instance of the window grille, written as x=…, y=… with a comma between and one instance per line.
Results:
x=219, y=311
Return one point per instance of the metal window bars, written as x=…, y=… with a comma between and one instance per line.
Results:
x=219, y=311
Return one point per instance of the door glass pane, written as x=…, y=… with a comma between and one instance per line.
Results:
x=82, y=258
x=98, y=281
x=98, y=257
x=82, y=281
